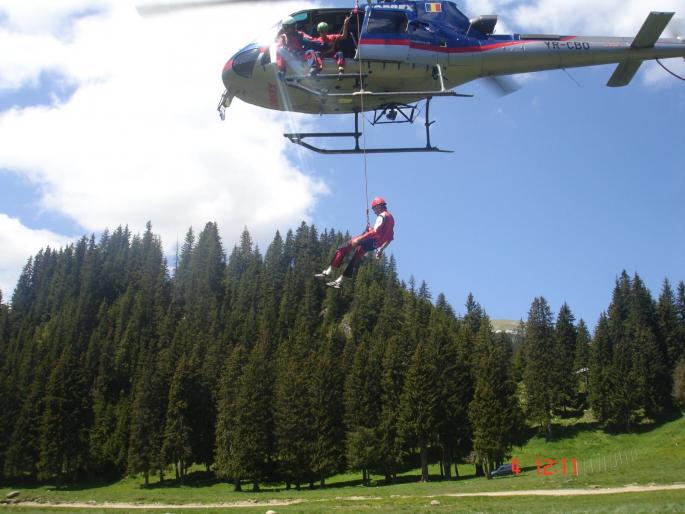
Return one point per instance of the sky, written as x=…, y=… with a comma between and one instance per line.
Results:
x=109, y=119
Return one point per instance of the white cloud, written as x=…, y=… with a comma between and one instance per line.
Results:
x=140, y=138
x=42, y=38
x=18, y=243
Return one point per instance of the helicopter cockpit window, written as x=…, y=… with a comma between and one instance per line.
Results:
x=300, y=16
x=384, y=21
x=244, y=62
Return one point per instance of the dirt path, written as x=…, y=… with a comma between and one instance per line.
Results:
x=140, y=506
x=276, y=503
x=577, y=492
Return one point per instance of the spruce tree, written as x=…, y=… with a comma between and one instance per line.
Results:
x=540, y=374
x=680, y=304
x=177, y=442
x=294, y=412
x=270, y=288
x=63, y=434
x=145, y=436
x=105, y=448
x=454, y=386
x=639, y=381
x=293, y=416
x=227, y=465
x=669, y=327
x=494, y=411
x=621, y=398
x=362, y=400
x=418, y=404
x=182, y=272
x=22, y=452
x=392, y=384
x=326, y=388
x=474, y=315
x=582, y=357
x=566, y=335
x=252, y=437
x=599, y=364
x=388, y=338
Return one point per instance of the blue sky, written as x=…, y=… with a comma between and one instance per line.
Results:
x=107, y=119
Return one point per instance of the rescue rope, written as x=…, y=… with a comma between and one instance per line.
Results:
x=672, y=73
x=361, y=98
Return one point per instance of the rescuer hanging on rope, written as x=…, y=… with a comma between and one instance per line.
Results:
x=374, y=239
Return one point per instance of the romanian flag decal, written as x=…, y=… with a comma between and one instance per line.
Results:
x=434, y=7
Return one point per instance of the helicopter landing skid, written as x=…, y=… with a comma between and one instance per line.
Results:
x=407, y=117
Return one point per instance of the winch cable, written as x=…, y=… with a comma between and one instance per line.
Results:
x=361, y=99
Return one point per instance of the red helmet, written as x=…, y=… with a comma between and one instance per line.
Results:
x=377, y=201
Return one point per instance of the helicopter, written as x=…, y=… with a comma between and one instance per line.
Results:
x=403, y=52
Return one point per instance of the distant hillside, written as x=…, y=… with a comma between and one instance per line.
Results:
x=508, y=326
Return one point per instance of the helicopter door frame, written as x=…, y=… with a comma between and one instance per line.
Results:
x=384, y=34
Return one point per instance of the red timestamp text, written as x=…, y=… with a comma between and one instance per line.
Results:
x=549, y=467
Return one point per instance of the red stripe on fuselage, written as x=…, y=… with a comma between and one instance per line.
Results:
x=461, y=49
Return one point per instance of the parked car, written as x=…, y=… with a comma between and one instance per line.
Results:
x=503, y=470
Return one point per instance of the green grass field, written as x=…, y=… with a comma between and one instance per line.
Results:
x=653, y=455
x=654, y=502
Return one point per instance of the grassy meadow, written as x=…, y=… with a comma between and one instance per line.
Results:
x=652, y=455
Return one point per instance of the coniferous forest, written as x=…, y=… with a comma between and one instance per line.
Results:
x=245, y=364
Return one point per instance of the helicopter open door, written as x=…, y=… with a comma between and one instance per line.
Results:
x=384, y=33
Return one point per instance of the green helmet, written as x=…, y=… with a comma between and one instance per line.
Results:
x=322, y=27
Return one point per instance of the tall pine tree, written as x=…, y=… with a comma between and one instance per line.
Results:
x=494, y=411
x=540, y=374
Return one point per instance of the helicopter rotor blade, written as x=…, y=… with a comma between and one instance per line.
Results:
x=503, y=84
x=156, y=8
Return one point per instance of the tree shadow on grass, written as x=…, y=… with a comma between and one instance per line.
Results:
x=194, y=479
x=208, y=479
x=416, y=478
x=81, y=485
x=644, y=426
x=560, y=432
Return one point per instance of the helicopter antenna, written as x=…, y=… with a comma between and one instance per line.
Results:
x=671, y=72
x=571, y=77
x=355, y=11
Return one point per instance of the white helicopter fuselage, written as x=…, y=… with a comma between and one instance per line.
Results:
x=422, y=57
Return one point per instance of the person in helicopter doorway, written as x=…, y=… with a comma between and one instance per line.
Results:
x=329, y=48
x=294, y=43
x=376, y=238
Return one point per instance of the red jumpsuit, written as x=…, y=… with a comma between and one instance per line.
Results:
x=374, y=238
x=329, y=42
x=297, y=44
